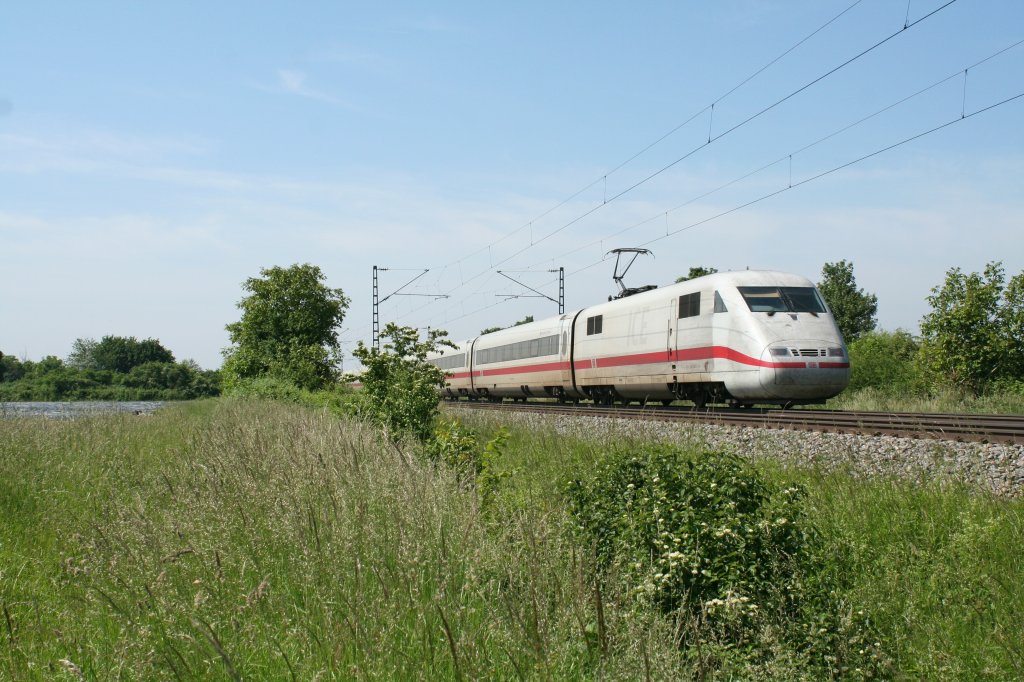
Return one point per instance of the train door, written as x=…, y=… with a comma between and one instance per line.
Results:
x=688, y=325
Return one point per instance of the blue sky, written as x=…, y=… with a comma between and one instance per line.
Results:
x=153, y=157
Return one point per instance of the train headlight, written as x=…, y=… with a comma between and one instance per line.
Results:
x=779, y=352
x=835, y=352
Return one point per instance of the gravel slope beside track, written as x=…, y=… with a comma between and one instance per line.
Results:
x=933, y=454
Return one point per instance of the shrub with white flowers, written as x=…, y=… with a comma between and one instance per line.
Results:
x=706, y=537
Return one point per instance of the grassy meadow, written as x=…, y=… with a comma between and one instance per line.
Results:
x=230, y=539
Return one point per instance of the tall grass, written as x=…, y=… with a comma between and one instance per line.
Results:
x=941, y=570
x=245, y=539
x=231, y=540
x=936, y=569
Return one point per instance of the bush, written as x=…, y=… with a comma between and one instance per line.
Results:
x=400, y=388
x=458, y=447
x=885, y=361
x=267, y=388
x=708, y=539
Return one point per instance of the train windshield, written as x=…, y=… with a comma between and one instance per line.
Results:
x=782, y=299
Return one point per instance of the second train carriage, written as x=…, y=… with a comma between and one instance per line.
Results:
x=737, y=337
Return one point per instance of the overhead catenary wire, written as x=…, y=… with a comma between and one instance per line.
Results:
x=492, y=265
x=830, y=171
x=711, y=140
x=604, y=178
x=790, y=155
x=958, y=119
x=830, y=72
x=496, y=261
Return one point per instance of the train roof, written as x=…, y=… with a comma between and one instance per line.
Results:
x=712, y=281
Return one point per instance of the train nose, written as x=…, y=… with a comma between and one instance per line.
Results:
x=805, y=369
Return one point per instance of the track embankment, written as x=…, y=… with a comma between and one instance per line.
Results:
x=985, y=451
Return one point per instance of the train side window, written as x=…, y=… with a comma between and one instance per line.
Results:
x=720, y=304
x=689, y=305
x=594, y=324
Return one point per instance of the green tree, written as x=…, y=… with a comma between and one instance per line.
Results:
x=854, y=310
x=11, y=369
x=288, y=328
x=1011, y=321
x=83, y=354
x=400, y=388
x=695, y=272
x=117, y=353
x=975, y=331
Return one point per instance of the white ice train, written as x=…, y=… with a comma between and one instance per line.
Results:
x=736, y=337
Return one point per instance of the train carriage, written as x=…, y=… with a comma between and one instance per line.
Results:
x=455, y=363
x=738, y=337
x=529, y=360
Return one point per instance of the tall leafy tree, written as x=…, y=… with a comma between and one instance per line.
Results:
x=289, y=328
x=11, y=369
x=975, y=331
x=854, y=309
x=695, y=272
x=117, y=353
x=83, y=354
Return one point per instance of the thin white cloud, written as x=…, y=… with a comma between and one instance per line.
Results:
x=295, y=82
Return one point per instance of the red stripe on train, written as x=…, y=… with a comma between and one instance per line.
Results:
x=688, y=354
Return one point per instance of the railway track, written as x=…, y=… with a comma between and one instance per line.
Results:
x=983, y=428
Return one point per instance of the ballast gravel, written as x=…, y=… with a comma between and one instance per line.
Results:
x=996, y=468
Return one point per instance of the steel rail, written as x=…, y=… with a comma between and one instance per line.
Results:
x=983, y=428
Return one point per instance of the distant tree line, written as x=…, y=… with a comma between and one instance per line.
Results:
x=113, y=368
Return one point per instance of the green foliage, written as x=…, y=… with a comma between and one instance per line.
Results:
x=695, y=272
x=885, y=361
x=459, y=447
x=51, y=379
x=456, y=446
x=269, y=388
x=940, y=566
x=181, y=544
x=974, y=334
x=11, y=369
x=83, y=354
x=400, y=388
x=117, y=353
x=708, y=537
x=288, y=328
x=526, y=320
x=854, y=310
